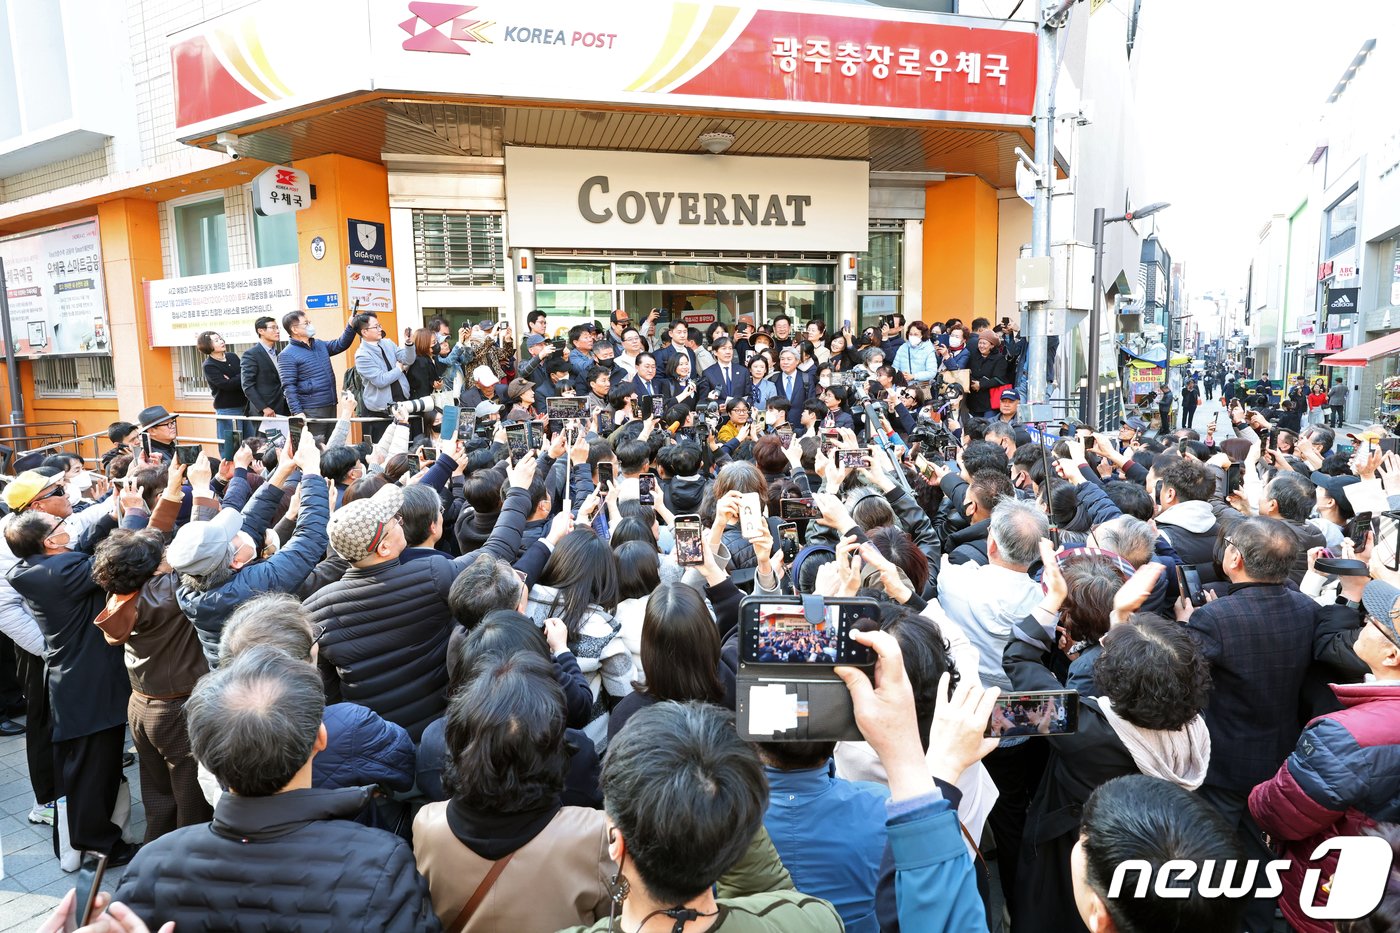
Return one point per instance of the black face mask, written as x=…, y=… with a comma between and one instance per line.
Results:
x=606, y=363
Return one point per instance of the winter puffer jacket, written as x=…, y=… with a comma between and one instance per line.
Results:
x=283, y=572
x=385, y=627
x=307, y=376
x=1343, y=777
x=290, y=862
x=363, y=748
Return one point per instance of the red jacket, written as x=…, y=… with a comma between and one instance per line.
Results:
x=1343, y=777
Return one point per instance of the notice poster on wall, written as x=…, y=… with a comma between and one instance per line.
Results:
x=54, y=283
x=228, y=303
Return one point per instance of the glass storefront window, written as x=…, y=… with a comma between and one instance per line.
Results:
x=801, y=305
x=275, y=239
x=687, y=273
x=779, y=274
x=881, y=267
x=201, y=237
x=562, y=272
x=574, y=302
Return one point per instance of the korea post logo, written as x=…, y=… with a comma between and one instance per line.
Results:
x=1354, y=890
x=443, y=27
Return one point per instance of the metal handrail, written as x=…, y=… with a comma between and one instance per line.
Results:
x=21, y=441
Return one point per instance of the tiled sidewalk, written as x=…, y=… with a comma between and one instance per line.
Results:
x=34, y=883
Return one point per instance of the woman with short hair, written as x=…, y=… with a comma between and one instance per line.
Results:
x=223, y=373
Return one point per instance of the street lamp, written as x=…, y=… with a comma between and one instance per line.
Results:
x=1091, y=398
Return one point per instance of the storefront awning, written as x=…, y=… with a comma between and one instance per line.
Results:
x=1361, y=354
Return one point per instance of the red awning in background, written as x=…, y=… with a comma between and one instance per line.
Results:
x=1364, y=353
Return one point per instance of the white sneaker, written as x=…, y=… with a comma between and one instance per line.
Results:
x=41, y=813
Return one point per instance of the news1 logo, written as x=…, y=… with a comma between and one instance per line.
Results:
x=1355, y=889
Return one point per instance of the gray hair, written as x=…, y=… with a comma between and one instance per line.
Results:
x=1017, y=528
x=1267, y=546
x=275, y=619
x=254, y=723
x=789, y=351
x=868, y=357
x=1128, y=537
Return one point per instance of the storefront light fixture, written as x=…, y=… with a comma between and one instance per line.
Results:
x=716, y=142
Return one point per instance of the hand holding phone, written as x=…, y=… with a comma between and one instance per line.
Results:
x=87, y=886
x=690, y=548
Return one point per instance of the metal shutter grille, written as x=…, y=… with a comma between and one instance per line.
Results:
x=455, y=249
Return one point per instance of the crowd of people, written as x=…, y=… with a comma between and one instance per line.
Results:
x=430, y=681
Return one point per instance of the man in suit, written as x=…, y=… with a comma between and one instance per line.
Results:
x=647, y=382
x=727, y=377
x=1259, y=641
x=791, y=382
x=680, y=335
x=258, y=374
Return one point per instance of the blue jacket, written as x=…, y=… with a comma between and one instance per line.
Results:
x=935, y=886
x=363, y=748
x=918, y=359
x=306, y=372
x=957, y=359
x=806, y=811
x=283, y=572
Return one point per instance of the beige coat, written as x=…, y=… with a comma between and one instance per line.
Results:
x=558, y=879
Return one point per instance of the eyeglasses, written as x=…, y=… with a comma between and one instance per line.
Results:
x=1230, y=543
x=1385, y=630
x=55, y=492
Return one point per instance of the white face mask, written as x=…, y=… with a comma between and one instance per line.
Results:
x=310, y=330
x=955, y=341
x=914, y=338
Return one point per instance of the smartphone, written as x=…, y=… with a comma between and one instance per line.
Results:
x=146, y=444
x=784, y=432
x=750, y=514
x=830, y=438
x=90, y=871
x=188, y=454
x=606, y=473
x=232, y=443
x=690, y=552
x=856, y=459
x=564, y=407
x=517, y=440
x=534, y=436
x=781, y=633
x=451, y=417
x=427, y=454
x=1358, y=528
x=646, y=489
x=790, y=510
x=1188, y=581
x=295, y=426
x=1234, y=479
x=646, y=405
x=1043, y=712
x=927, y=471
x=950, y=452
x=466, y=424
x=787, y=537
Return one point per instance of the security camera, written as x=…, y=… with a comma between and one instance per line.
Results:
x=228, y=142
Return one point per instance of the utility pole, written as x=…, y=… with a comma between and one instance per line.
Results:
x=1040, y=320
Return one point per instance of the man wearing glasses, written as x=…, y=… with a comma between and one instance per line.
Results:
x=160, y=426
x=382, y=370
x=1341, y=778
x=1259, y=643
x=619, y=322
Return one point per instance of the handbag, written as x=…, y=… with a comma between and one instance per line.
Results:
x=479, y=895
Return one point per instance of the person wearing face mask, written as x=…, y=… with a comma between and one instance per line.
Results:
x=916, y=358
x=987, y=370
x=307, y=376
x=953, y=355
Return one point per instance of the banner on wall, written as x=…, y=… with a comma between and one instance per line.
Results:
x=795, y=57
x=57, y=303
x=180, y=309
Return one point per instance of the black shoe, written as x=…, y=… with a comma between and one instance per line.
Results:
x=10, y=727
x=128, y=759
x=123, y=852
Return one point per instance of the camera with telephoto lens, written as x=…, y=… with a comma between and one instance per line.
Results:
x=930, y=434
x=427, y=403
x=860, y=384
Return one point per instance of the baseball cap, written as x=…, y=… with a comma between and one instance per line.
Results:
x=1336, y=488
x=1379, y=599
x=484, y=375
x=27, y=487
x=618, y=317
x=1367, y=437
x=358, y=528
x=1010, y=395
x=486, y=409
x=534, y=340
x=202, y=547
x=1137, y=424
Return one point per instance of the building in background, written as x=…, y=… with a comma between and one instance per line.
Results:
x=830, y=160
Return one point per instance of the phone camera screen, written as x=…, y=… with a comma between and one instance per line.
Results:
x=784, y=635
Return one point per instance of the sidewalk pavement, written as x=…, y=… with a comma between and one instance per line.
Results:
x=34, y=883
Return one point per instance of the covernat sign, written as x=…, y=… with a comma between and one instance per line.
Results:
x=581, y=199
